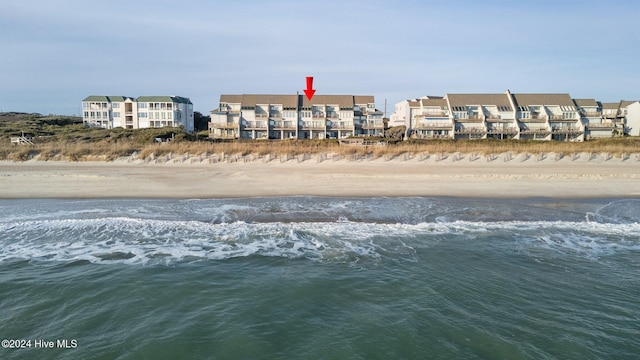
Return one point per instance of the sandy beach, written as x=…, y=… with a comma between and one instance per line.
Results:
x=463, y=175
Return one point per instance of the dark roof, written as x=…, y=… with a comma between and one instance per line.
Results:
x=585, y=102
x=479, y=99
x=543, y=99
x=292, y=101
x=434, y=102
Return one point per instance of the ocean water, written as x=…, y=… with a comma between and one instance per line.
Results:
x=320, y=278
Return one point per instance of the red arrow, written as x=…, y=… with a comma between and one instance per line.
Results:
x=309, y=90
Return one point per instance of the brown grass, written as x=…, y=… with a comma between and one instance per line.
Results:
x=109, y=150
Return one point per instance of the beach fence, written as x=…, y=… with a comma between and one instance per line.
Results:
x=22, y=140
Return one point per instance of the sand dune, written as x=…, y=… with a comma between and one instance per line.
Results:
x=468, y=175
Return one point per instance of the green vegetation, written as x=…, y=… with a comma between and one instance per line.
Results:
x=66, y=138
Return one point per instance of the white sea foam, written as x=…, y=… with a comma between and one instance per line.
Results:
x=150, y=241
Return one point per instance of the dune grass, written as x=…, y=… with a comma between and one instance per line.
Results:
x=66, y=138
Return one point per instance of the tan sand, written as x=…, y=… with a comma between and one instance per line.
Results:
x=502, y=176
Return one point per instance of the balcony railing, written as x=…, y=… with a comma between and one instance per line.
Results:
x=313, y=125
x=434, y=125
x=284, y=125
x=606, y=125
x=256, y=125
x=431, y=114
x=372, y=125
x=537, y=119
x=261, y=116
x=471, y=118
x=505, y=130
x=535, y=132
x=275, y=115
x=566, y=130
x=480, y=131
x=341, y=126
x=319, y=116
x=611, y=115
x=592, y=114
x=493, y=117
x=223, y=125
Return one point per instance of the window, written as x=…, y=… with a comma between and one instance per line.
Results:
x=86, y=114
x=169, y=106
x=104, y=105
x=164, y=115
x=115, y=105
x=93, y=114
x=105, y=114
x=169, y=116
x=142, y=105
x=504, y=108
x=142, y=115
x=116, y=114
x=85, y=105
x=98, y=114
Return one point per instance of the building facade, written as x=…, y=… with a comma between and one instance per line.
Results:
x=263, y=116
x=142, y=112
x=516, y=116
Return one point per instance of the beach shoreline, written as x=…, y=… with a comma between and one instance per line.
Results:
x=458, y=175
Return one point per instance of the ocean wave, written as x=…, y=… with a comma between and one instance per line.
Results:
x=154, y=241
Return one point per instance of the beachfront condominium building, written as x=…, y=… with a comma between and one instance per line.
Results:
x=142, y=112
x=515, y=116
x=265, y=116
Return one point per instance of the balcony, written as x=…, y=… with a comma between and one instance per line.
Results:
x=275, y=115
x=341, y=126
x=431, y=114
x=372, y=125
x=319, y=116
x=332, y=115
x=284, y=125
x=505, y=130
x=471, y=119
x=261, y=116
x=591, y=114
x=434, y=125
x=612, y=115
x=534, y=119
x=571, y=130
x=256, y=125
x=477, y=131
x=313, y=125
x=604, y=125
x=493, y=117
x=223, y=125
x=535, y=131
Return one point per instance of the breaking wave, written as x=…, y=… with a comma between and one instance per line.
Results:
x=143, y=241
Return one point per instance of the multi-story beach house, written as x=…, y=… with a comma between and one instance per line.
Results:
x=263, y=116
x=515, y=116
x=142, y=112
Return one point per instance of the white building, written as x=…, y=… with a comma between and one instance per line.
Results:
x=143, y=112
x=265, y=116
x=515, y=116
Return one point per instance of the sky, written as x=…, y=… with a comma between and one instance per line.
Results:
x=55, y=53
